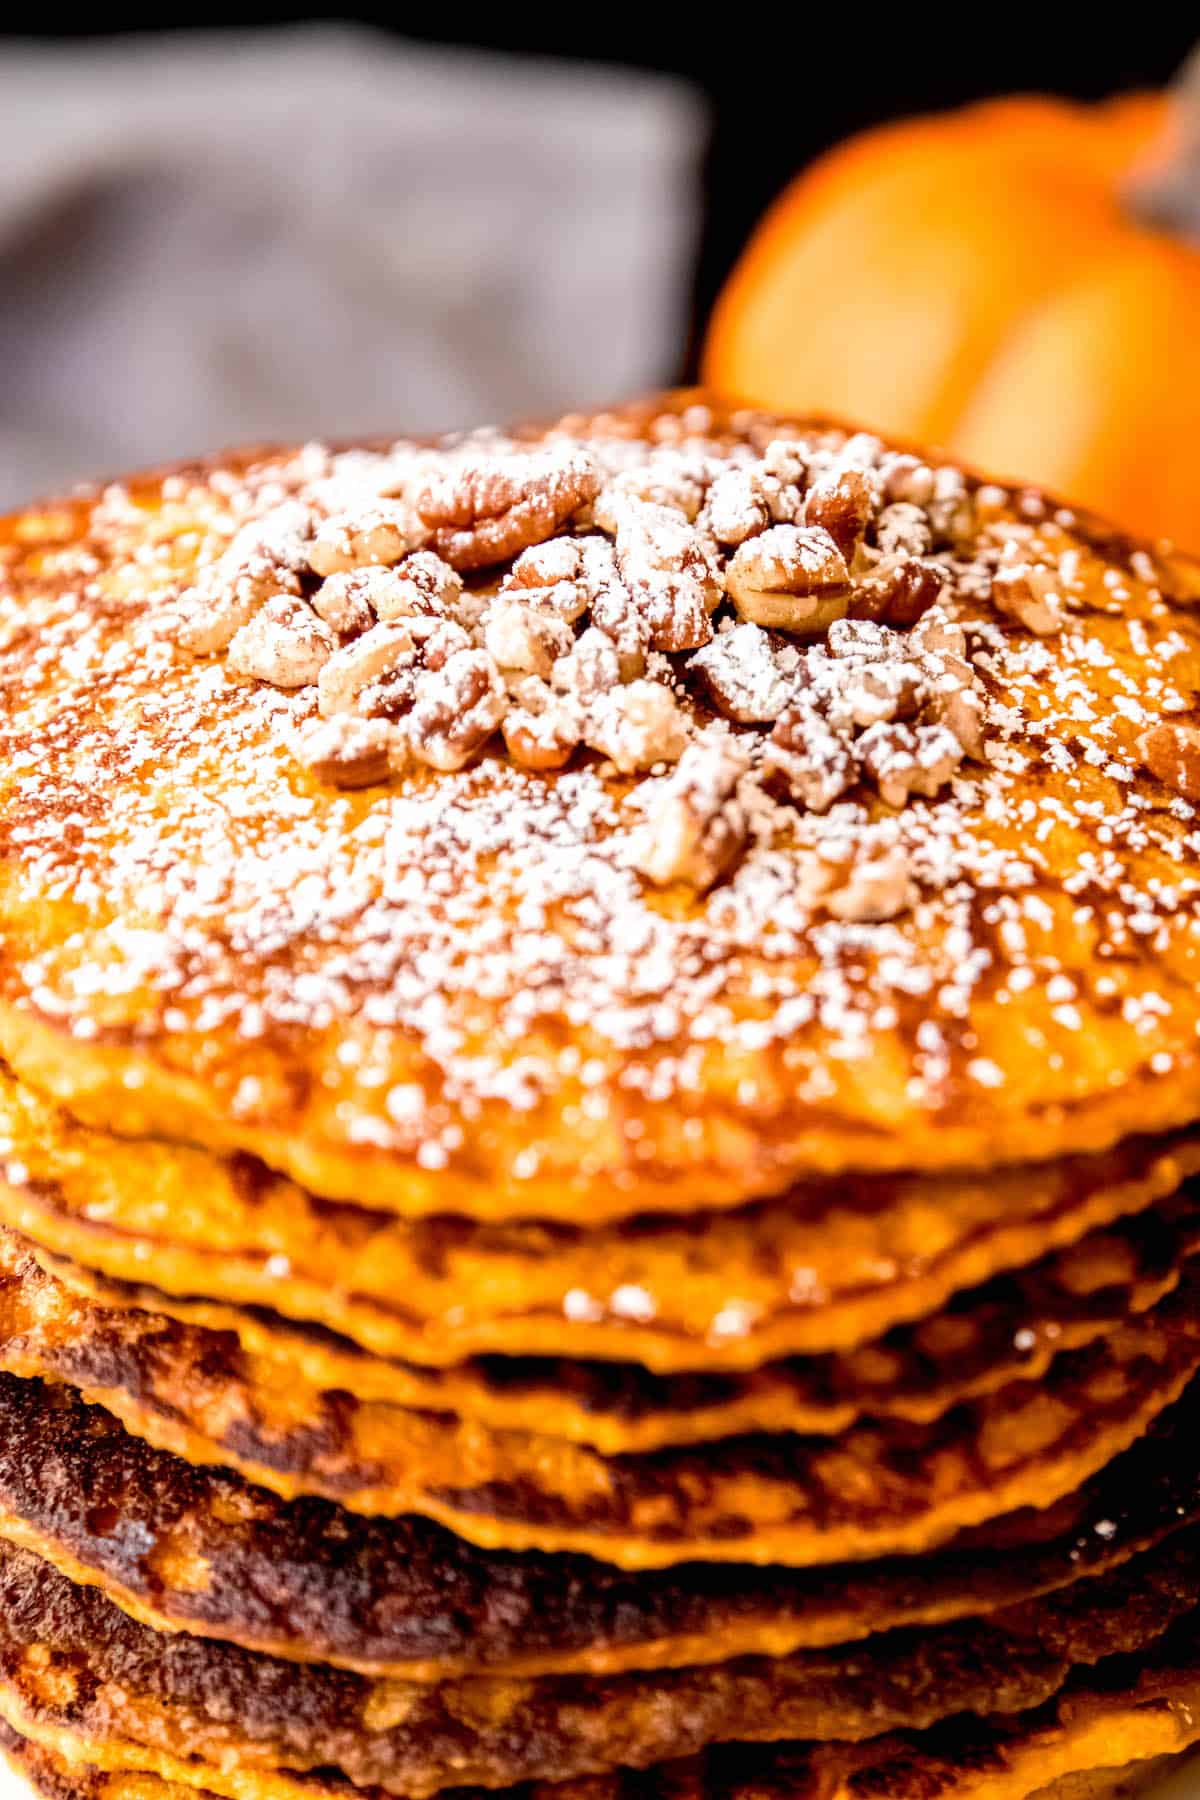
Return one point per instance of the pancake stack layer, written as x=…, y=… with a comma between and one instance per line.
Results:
x=598, y=1124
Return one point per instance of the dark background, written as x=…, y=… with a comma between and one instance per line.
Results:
x=782, y=84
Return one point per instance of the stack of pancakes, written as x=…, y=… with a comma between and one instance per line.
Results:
x=600, y=1077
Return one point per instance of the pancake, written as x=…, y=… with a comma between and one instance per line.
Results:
x=54, y=1777
x=201, y=1550
x=489, y=988
x=880, y=1487
x=1121, y=1714
x=115, y=1679
x=58, y=1321
x=828, y=1267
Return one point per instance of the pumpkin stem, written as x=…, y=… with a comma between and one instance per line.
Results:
x=1165, y=191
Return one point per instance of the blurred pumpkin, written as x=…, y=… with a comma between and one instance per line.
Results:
x=1018, y=281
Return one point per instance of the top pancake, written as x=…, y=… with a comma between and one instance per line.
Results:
x=511, y=991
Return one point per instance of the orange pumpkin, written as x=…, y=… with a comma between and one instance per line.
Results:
x=992, y=280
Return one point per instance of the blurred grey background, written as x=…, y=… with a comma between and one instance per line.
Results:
x=322, y=230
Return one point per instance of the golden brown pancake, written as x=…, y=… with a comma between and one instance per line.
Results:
x=115, y=1679
x=1126, y=1712
x=200, y=1550
x=826, y=1268
x=60, y=1322
x=882, y=1486
x=205, y=939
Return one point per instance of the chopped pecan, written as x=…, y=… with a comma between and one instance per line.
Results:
x=344, y=601
x=517, y=636
x=841, y=504
x=636, y=726
x=860, y=692
x=668, y=573
x=551, y=576
x=909, y=759
x=787, y=460
x=653, y=540
x=591, y=668
x=955, y=698
x=373, y=674
x=455, y=710
x=662, y=480
x=541, y=727
x=896, y=591
x=437, y=640
x=936, y=632
x=1172, y=753
x=261, y=561
x=902, y=529
x=207, y=617
x=881, y=887
x=748, y=676
x=489, y=507
x=805, y=760
x=346, y=751
x=863, y=638
x=694, y=826
x=908, y=479
x=791, y=578
x=737, y=506
x=1029, y=593
x=381, y=533
x=951, y=507
x=284, y=644
x=423, y=583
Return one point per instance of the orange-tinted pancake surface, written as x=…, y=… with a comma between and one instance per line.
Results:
x=478, y=985
x=261, y=1374
x=190, y=1697
x=878, y=1487
x=202, y=1550
x=1123, y=1714
x=821, y=1269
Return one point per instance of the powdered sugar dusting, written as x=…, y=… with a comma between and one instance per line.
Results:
x=489, y=935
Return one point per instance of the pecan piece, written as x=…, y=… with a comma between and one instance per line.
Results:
x=841, y=504
x=423, y=583
x=791, y=578
x=522, y=637
x=284, y=644
x=909, y=759
x=737, y=507
x=1029, y=593
x=662, y=481
x=261, y=561
x=344, y=600
x=806, y=761
x=694, y=825
x=879, y=888
x=455, y=711
x=902, y=529
x=541, y=728
x=380, y=534
x=1172, y=753
x=637, y=726
x=551, y=576
x=897, y=591
x=747, y=675
x=373, y=674
x=486, y=509
x=348, y=752
x=593, y=666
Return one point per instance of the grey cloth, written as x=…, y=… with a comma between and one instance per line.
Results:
x=319, y=231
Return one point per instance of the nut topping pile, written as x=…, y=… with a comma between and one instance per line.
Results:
x=608, y=597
